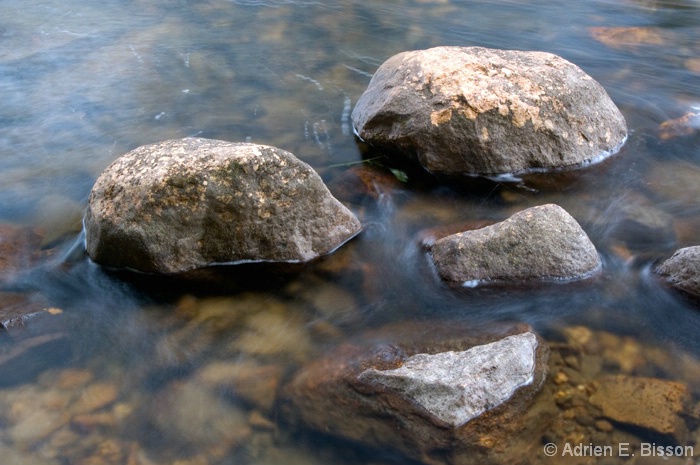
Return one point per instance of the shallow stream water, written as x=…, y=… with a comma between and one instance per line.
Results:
x=83, y=82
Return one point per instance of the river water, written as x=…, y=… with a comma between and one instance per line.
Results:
x=84, y=82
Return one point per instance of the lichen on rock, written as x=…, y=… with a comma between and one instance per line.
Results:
x=479, y=111
x=183, y=204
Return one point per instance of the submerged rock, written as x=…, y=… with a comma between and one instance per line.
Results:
x=18, y=310
x=254, y=383
x=649, y=403
x=682, y=270
x=473, y=110
x=433, y=393
x=677, y=183
x=539, y=243
x=358, y=183
x=182, y=204
x=19, y=249
x=196, y=416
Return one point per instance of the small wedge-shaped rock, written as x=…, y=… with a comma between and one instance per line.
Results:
x=540, y=243
x=443, y=383
x=478, y=111
x=682, y=270
x=183, y=204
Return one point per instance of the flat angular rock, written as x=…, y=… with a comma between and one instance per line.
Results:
x=682, y=270
x=182, y=204
x=478, y=111
x=440, y=394
x=649, y=403
x=539, y=243
x=444, y=384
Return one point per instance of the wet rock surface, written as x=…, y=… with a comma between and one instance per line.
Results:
x=364, y=182
x=427, y=393
x=539, y=243
x=472, y=110
x=182, y=204
x=682, y=270
x=437, y=382
x=648, y=403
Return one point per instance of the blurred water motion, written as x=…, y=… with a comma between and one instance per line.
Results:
x=84, y=82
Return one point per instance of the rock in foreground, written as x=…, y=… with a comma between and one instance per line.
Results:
x=682, y=270
x=183, y=204
x=473, y=110
x=438, y=382
x=435, y=394
x=539, y=243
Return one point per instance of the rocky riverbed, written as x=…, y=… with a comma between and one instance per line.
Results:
x=253, y=364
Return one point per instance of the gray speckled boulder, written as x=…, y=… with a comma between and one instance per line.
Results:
x=183, y=204
x=539, y=243
x=473, y=110
x=682, y=270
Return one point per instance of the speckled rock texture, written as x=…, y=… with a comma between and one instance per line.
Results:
x=182, y=204
x=536, y=244
x=435, y=393
x=682, y=270
x=444, y=384
x=479, y=111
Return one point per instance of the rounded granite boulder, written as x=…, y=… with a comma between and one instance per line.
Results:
x=479, y=111
x=188, y=203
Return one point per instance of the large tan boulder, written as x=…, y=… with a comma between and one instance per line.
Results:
x=478, y=111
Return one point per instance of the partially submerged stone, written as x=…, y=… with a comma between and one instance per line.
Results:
x=539, y=243
x=685, y=125
x=682, y=270
x=444, y=384
x=183, y=204
x=478, y=111
x=435, y=393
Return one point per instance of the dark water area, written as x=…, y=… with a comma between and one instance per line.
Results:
x=84, y=82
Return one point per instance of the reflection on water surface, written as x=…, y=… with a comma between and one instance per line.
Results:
x=146, y=371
